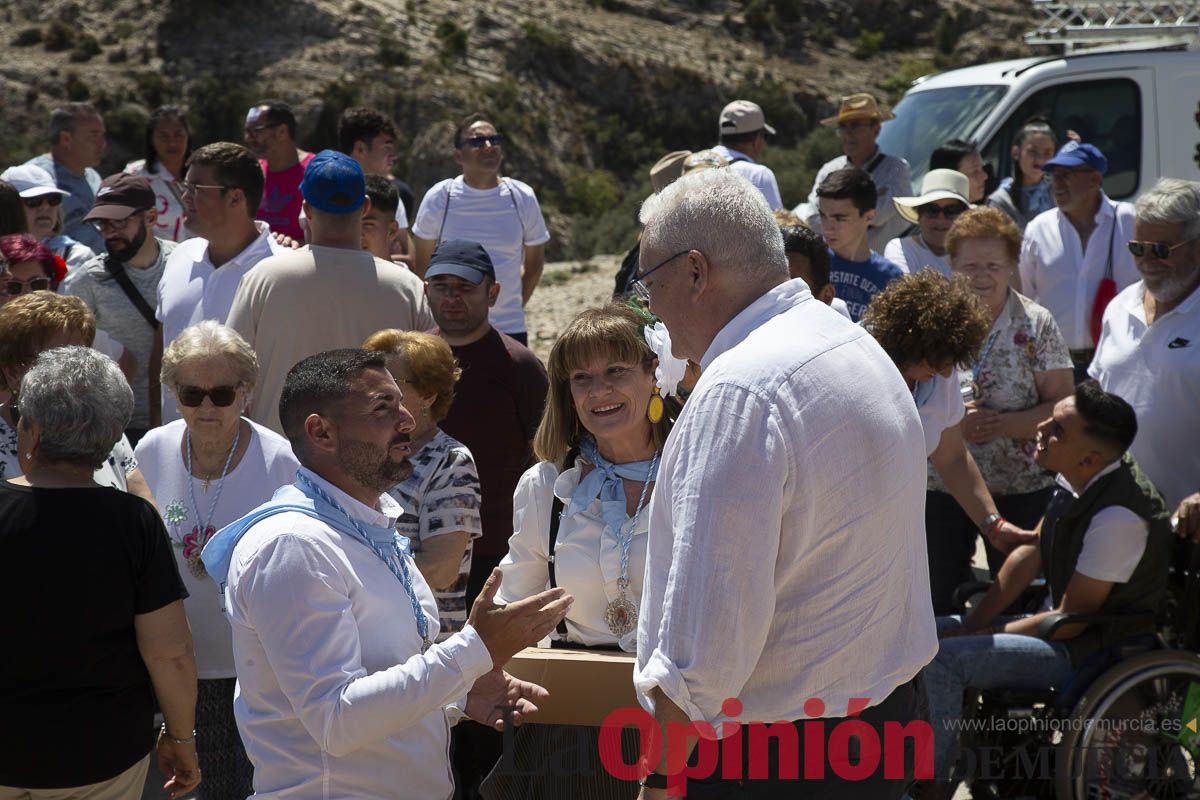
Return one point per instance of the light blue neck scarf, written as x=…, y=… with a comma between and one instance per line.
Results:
x=604, y=482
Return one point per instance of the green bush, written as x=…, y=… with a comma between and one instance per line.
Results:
x=27, y=37
x=59, y=36
x=945, y=32
x=796, y=167
x=392, y=52
x=591, y=192
x=86, y=48
x=77, y=90
x=909, y=69
x=868, y=43
x=453, y=40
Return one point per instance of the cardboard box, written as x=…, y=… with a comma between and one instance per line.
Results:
x=584, y=685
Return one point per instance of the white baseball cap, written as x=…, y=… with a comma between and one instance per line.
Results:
x=742, y=116
x=31, y=181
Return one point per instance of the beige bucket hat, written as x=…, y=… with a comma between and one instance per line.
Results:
x=938, y=184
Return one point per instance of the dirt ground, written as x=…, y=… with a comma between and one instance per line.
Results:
x=567, y=288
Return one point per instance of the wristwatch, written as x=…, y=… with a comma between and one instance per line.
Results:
x=653, y=780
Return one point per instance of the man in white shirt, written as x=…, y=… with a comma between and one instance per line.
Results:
x=1104, y=546
x=858, y=122
x=1068, y=251
x=768, y=577
x=341, y=692
x=500, y=213
x=221, y=193
x=742, y=135
x=1149, y=350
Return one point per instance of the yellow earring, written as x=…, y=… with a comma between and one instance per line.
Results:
x=655, y=409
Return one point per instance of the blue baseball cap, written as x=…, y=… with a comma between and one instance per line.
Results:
x=1076, y=154
x=334, y=183
x=462, y=259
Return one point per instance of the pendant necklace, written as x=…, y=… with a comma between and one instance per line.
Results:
x=621, y=614
x=204, y=526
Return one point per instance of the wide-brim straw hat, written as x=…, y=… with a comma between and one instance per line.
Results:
x=938, y=184
x=858, y=106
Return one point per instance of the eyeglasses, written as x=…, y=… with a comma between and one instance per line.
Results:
x=256, y=130
x=638, y=285
x=478, y=142
x=114, y=224
x=933, y=211
x=1160, y=250
x=193, y=396
x=12, y=286
x=845, y=127
x=42, y=199
x=971, y=269
x=191, y=188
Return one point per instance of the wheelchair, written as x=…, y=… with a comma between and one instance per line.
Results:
x=1123, y=728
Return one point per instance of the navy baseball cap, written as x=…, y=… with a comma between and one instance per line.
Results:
x=462, y=259
x=1076, y=154
x=334, y=183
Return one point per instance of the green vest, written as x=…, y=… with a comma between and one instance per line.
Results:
x=1064, y=529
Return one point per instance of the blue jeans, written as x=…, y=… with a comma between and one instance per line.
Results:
x=1002, y=661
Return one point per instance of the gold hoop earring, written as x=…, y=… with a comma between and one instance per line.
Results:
x=655, y=409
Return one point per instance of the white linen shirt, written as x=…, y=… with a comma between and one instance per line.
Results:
x=911, y=255
x=587, y=557
x=1057, y=274
x=334, y=697
x=758, y=174
x=786, y=552
x=892, y=179
x=192, y=290
x=1156, y=369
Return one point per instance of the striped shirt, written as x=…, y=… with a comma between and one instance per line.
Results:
x=442, y=496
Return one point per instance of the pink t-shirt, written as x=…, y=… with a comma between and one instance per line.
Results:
x=281, y=201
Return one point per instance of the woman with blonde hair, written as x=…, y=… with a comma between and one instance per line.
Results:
x=441, y=498
x=208, y=469
x=579, y=516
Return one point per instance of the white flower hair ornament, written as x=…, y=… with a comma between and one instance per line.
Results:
x=670, y=370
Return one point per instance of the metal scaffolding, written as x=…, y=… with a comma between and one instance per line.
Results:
x=1073, y=22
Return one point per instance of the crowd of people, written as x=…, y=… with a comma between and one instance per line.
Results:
x=762, y=469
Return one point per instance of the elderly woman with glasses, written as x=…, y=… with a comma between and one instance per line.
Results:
x=1022, y=370
x=943, y=197
x=207, y=470
x=32, y=323
x=95, y=629
x=580, y=522
x=42, y=201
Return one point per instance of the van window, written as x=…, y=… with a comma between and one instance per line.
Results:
x=1106, y=113
x=926, y=119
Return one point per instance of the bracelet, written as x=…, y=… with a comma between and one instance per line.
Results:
x=189, y=740
x=991, y=523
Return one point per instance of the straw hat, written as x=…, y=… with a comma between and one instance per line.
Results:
x=938, y=184
x=858, y=106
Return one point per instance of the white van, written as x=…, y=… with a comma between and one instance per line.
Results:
x=1140, y=107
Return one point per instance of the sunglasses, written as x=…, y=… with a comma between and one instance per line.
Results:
x=949, y=212
x=42, y=199
x=1157, y=249
x=495, y=140
x=193, y=396
x=14, y=287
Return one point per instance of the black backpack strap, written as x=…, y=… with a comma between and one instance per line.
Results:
x=117, y=270
x=875, y=162
x=556, y=512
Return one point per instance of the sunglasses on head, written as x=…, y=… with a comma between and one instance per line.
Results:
x=42, y=199
x=494, y=140
x=949, y=212
x=13, y=286
x=1157, y=249
x=193, y=396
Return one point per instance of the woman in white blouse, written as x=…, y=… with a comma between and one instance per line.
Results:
x=605, y=412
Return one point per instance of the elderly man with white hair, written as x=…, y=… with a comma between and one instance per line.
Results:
x=1149, y=348
x=785, y=565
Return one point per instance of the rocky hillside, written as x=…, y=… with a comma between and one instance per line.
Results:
x=589, y=92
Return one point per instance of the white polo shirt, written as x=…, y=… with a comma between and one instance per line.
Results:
x=1057, y=274
x=1156, y=369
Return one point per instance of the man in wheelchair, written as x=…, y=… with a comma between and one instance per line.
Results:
x=1103, y=547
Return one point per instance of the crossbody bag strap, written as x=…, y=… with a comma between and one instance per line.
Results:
x=556, y=512
x=512, y=195
x=117, y=270
x=1112, y=235
x=875, y=162
x=445, y=211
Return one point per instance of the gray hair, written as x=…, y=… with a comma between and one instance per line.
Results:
x=1172, y=201
x=81, y=402
x=210, y=339
x=64, y=118
x=721, y=214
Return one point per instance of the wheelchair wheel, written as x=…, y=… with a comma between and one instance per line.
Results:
x=1121, y=741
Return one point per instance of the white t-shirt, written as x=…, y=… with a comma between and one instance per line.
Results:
x=192, y=289
x=1115, y=538
x=168, y=191
x=267, y=464
x=1156, y=369
x=940, y=406
x=504, y=220
x=911, y=255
